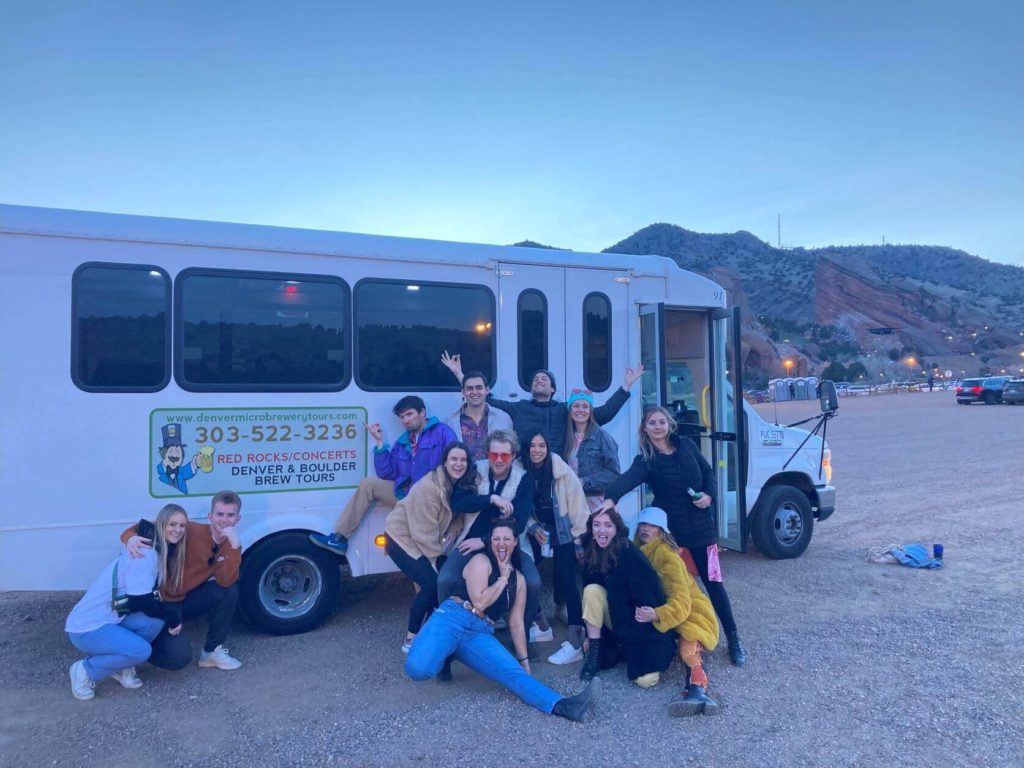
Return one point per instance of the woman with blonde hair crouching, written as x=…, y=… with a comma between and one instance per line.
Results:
x=686, y=612
x=121, y=612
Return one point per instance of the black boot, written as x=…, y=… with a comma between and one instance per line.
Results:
x=737, y=654
x=592, y=661
x=695, y=701
x=575, y=707
x=445, y=675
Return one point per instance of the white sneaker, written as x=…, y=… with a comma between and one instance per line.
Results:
x=538, y=635
x=127, y=678
x=82, y=687
x=566, y=654
x=407, y=644
x=219, y=658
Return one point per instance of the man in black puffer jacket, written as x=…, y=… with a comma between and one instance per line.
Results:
x=543, y=413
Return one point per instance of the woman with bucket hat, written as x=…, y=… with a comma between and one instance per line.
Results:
x=686, y=610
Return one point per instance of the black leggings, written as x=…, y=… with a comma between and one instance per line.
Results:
x=422, y=572
x=716, y=591
x=564, y=578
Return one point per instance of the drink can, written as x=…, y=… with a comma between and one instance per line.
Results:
x=937, y=551
x=545, y=548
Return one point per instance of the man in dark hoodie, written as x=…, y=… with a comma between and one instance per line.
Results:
x=542, y=412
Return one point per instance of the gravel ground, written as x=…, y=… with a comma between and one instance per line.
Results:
x=850, y=664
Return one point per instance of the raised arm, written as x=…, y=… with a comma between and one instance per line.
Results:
x=605, y=413
x=453, y=363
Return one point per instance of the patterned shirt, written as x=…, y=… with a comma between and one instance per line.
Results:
x=474, y=435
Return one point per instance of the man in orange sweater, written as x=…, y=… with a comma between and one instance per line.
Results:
x=209, y=584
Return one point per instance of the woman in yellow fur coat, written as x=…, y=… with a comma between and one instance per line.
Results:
x=687, y=611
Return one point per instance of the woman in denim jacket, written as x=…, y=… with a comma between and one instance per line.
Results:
x=589, y=450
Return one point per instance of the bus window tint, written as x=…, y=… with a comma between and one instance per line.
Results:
x=597, y=342
x=532, y=312
x=121, y=333
x=251, y=331
x=402, y=328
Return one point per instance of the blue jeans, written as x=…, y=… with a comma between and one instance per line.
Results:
x=113, y=647
x=451, y=629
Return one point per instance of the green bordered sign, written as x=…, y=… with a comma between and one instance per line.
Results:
x=199, y=451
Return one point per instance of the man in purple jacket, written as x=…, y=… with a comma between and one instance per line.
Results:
x=412, y=456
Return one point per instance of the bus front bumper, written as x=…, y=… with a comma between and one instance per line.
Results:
x=826, y=501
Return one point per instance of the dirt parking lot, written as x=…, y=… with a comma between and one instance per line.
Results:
x=850, y=664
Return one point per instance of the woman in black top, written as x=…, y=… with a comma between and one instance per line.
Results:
x=560, y=511
x=672, y=467
x=464, y=628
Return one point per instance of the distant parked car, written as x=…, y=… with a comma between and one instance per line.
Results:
x=988, y=391
x=1013, y=392
x=858, y=389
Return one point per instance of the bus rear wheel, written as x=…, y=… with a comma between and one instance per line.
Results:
x=782, y=522
x=288, y=586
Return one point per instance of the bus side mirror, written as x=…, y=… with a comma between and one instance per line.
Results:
x=828, y=397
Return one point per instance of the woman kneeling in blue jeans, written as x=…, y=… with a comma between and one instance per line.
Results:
x=464, y=628
x=118, y=636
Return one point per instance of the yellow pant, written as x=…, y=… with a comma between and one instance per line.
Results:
x=595, y=606
x=596, y=614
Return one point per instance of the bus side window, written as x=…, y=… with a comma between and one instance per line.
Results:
x=121, y=327
x=261, y=332
x=597, y=342
x=403, y=326
x=532, y=316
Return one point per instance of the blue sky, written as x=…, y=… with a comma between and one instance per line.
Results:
x=573, y=124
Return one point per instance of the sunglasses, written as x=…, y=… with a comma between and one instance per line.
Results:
x=213, y=559
x=582, y=392
x=499, y=456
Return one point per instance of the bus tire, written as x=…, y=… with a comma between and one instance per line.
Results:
x=287, y=585
x=782, y=522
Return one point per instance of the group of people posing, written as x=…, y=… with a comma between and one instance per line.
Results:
x=461, y=494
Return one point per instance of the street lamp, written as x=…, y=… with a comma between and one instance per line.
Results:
x=789, y=365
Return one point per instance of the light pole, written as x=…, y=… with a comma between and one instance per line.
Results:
x=910, y=363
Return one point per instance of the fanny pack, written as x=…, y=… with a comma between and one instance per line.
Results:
x=119, y=603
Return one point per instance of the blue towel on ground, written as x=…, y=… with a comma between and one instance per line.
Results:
x=915, y=556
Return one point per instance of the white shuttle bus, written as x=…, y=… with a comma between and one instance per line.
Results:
x=256, y=355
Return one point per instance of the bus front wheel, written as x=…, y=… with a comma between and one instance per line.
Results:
x=288, y=586
x=782, y=522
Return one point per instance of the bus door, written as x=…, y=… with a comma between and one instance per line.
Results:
x=681, y=375
x=531, y=306
x=728, y=430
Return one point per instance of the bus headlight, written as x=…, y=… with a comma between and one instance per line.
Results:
x=826, y=466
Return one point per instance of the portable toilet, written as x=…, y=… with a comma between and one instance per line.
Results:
x=790, y=385
x=780, y=393
x=812, y=387
x=801, y=388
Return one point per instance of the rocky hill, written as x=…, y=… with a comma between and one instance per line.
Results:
x=892, y=309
